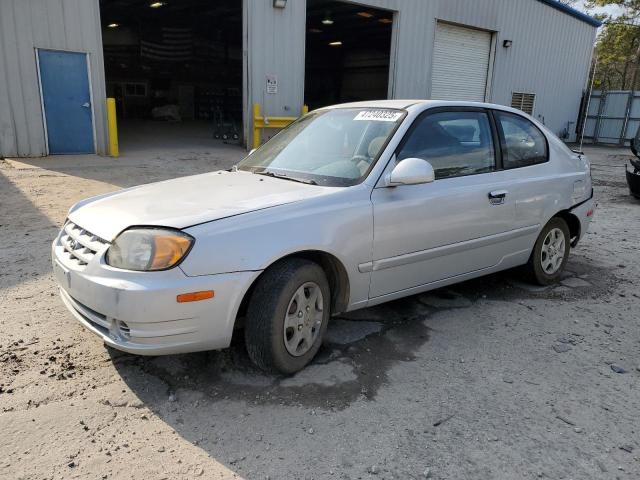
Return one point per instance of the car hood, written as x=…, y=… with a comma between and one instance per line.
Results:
x=188, y=201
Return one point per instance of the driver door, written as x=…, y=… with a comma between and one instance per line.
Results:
x=457, y=224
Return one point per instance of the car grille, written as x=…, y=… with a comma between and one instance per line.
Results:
x=79, y=245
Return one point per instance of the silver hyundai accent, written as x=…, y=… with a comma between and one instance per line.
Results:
x=351, y=206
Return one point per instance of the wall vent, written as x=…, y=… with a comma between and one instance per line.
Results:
x=523, y=101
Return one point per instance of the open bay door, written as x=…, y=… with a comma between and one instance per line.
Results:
x=461, y=62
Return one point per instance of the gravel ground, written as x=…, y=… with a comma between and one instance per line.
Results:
x=489, y=379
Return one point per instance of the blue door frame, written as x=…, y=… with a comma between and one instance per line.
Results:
x=66, y=102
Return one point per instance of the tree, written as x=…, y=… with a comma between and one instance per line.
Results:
x=630, y=8
x=618, y=46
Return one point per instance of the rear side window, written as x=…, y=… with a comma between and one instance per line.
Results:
x=456, y=143
x=525, y=144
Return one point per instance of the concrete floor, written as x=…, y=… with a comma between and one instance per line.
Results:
x=150, y=142
x=144, y=137
x=492, y=379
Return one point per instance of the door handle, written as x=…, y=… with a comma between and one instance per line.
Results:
x=86, y=104
x=497, y=197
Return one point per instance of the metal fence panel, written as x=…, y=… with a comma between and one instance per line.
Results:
x=594, y=104
x=613, y=117
x=616, y=104
x=610, y=130
x=632, y=129
x=635, y=108
x=590, y=128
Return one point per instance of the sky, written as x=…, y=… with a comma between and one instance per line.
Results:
x=609, y=10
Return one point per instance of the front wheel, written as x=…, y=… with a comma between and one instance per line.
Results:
x=287, y=316
x=550, y=253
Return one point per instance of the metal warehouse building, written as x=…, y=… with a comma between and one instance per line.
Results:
x=204, y=64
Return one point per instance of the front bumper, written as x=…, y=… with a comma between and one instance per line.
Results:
x=137, y=312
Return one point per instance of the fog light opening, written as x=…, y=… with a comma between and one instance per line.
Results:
x=124, y=330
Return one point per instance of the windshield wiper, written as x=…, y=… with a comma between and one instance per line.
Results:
x=286, y=177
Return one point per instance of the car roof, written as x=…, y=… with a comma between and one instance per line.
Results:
x=402, y=104
x=421, y=105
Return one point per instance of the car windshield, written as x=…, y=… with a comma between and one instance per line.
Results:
x=336, y=147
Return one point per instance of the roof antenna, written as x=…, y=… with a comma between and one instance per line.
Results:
x=586, y=112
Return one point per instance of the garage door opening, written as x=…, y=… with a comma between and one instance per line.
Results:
x=175, y=70
x=348, y=53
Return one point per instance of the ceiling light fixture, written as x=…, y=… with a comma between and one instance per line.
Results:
x=385, y=20
x=157, y=4
x=327, y=19
x=113, y=25
x=335, y=44
x=365, y=14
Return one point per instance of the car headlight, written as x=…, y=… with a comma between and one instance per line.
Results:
x=148, y=249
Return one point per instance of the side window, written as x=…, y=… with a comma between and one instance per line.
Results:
x=456, y=143
x=525, y=143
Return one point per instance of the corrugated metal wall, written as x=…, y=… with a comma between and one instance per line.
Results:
x=275, y=40
x=550, y=55
x=53, y=24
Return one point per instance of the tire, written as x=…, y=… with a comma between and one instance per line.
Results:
x=285, y=294
x=545, y=267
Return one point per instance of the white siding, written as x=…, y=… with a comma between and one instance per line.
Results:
x=274, y=45
x=460, y=63
x=54, y=24
x=550, y=55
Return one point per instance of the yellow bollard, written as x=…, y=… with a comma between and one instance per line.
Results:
x=256, y=129
x=260, y=122
x=112, y=123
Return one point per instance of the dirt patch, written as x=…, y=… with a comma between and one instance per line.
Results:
x=342, y=373
x=492, y=378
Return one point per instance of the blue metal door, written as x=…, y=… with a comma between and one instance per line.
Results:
x=67, y=101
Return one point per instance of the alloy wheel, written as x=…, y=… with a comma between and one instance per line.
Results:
x=553, y=250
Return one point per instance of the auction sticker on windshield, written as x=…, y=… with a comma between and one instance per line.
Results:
x=379, y=115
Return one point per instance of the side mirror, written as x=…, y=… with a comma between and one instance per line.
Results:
x=411, y=171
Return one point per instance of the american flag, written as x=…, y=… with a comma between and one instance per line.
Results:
x=170, y=45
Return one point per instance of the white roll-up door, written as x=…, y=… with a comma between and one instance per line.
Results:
x=460, y=63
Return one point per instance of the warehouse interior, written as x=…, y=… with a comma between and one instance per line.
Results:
x=175, y=70
x=348, y=52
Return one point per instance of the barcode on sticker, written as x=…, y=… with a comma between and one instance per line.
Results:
x=379, y=115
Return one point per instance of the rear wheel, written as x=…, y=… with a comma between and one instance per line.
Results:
x=287, y=316
x=550, y=253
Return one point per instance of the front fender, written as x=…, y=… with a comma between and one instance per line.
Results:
x=341, y=226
